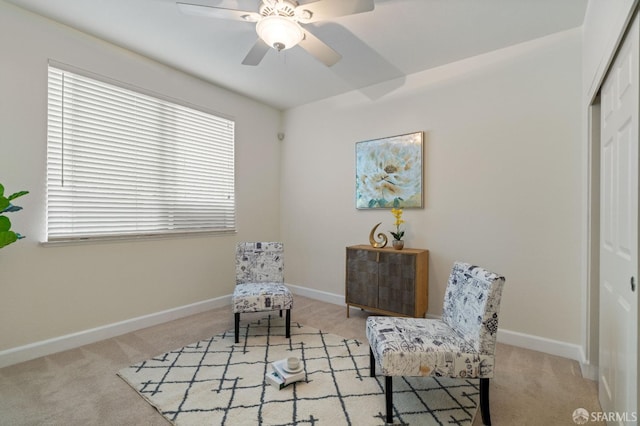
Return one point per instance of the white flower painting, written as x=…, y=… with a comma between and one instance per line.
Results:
x=389, y=172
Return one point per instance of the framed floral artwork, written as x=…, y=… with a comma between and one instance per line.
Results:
x=389, y=172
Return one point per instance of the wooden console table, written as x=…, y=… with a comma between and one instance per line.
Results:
x=388, y=281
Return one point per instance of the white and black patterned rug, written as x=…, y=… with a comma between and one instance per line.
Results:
x=217, y=382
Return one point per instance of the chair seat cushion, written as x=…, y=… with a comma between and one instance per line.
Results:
x=261, y=297
x=424, y=347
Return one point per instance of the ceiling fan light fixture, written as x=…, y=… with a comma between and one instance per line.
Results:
x=279, y=32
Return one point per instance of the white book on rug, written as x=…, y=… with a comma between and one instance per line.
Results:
x=274, y=379
x=280, y=377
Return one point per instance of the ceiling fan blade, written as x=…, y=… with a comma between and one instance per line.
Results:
x=319, y=50
x=326, y=9
x=257, y=52
x=218, y=12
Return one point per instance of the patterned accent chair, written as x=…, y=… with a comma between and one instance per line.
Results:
x=260, y=282
x=459, y=345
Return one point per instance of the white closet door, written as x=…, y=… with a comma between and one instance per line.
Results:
x=618, y=369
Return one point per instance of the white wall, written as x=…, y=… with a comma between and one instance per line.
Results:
x=502, y=180
x=46, y=292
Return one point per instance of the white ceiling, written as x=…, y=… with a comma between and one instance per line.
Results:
x=397, y=38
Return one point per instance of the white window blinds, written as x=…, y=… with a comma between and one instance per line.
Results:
x=122, y=163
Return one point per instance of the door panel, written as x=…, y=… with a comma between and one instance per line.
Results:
x=618, y=367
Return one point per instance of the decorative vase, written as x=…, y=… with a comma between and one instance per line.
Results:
x=398, y=244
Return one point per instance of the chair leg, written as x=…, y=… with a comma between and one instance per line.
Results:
x=287, y=323
x=280, y=313
x=237, y=326
x=388, y=391
x=484, y=402
x=372, y=363
x=388, y=387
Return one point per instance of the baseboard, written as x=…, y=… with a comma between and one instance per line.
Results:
x=588, y=370
x=70, y=341
x=85, y=337
x=514, y=338
x=336, y=299
x=74, y=340
x=541, y=344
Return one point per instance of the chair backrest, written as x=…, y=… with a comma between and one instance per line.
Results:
x=472, y=305
x=259, y=262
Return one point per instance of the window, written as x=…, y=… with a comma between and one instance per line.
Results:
x=122, y=163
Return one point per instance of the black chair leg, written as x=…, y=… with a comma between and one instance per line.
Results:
x=388, y=391
x=388, y=387
x=280, y=313
x=237, y=326
x=287, y=323
x=484, y=402
x=372, y=363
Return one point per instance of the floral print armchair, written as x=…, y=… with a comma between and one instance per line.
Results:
x=459, y=345
x=260, y=282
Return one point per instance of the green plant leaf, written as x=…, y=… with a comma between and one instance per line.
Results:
x=5, y=224
x=11, y=208
x=17, y=194
x=7, y=237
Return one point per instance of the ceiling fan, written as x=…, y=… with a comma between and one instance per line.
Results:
x=278, y=24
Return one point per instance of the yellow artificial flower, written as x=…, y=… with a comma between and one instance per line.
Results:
x=397, y=213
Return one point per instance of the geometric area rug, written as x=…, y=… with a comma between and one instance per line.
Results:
x=218, y=382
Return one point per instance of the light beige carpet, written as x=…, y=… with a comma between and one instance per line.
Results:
x=80, y=387
x=217, y=382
